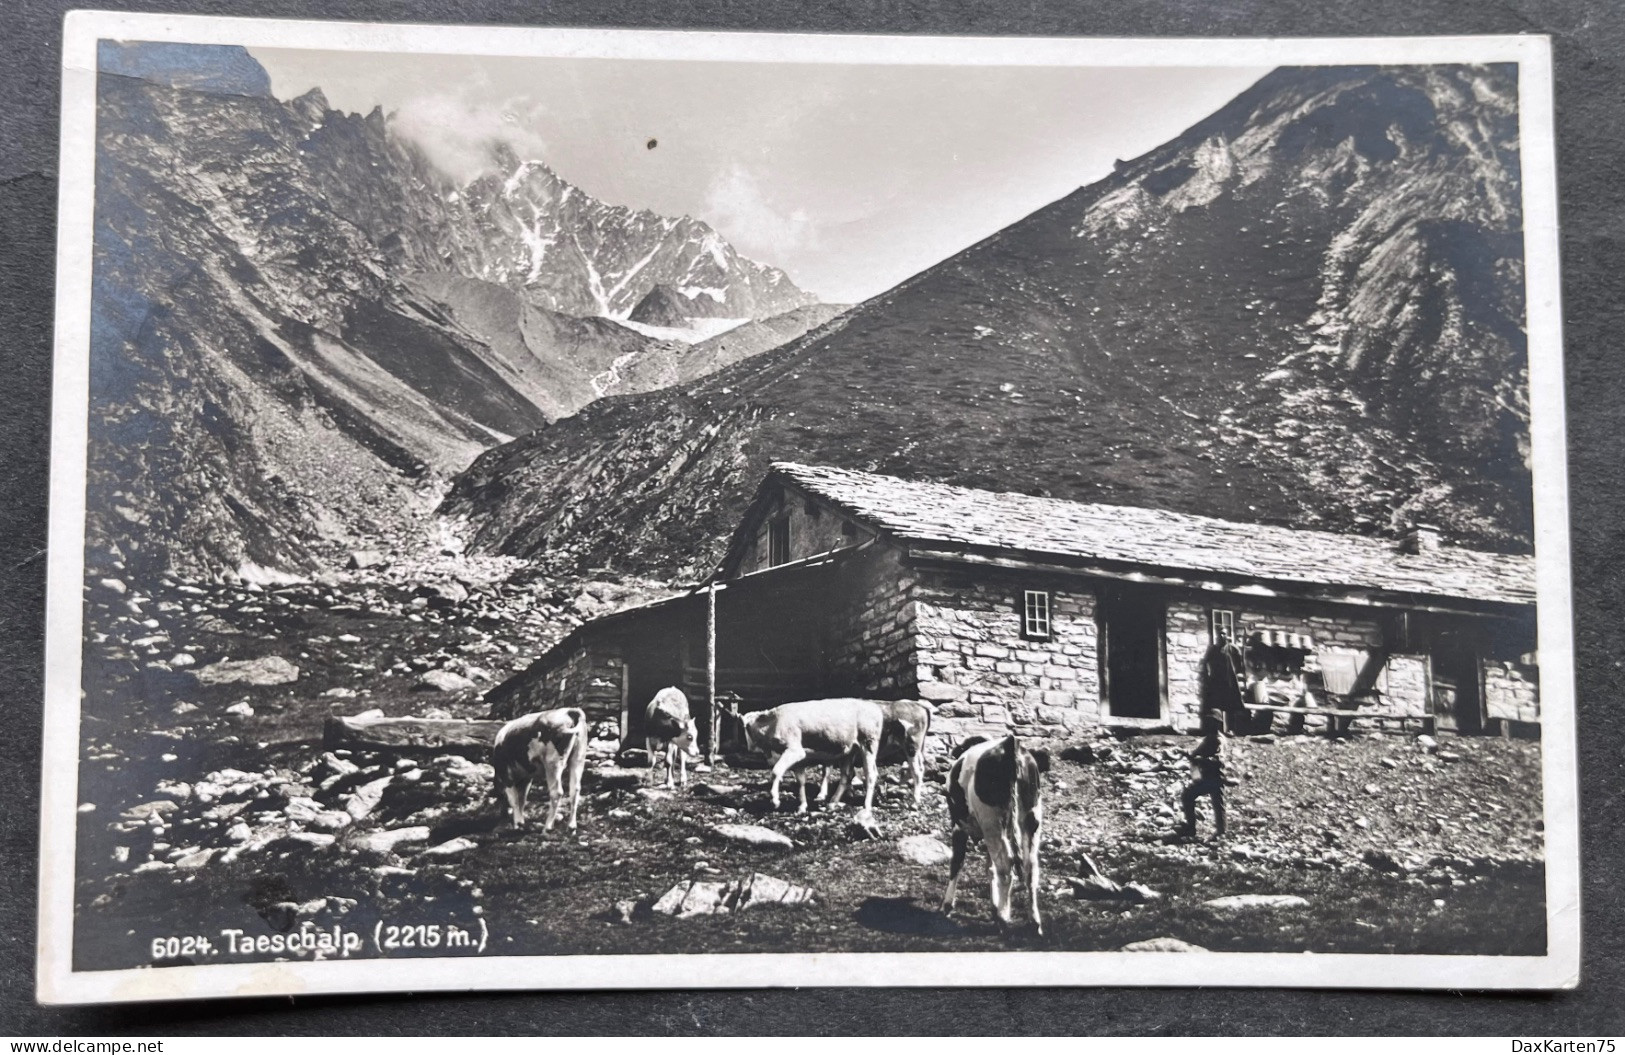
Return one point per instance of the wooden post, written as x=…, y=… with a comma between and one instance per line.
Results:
x=711, y=669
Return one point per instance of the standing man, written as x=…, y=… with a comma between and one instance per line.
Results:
x=1221, y=687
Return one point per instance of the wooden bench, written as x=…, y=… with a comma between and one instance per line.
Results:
x=1338, y=722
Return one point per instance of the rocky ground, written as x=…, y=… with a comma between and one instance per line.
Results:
x=210, y=806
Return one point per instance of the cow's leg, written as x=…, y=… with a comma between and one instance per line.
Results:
x=516, y=800
x=801, y=788
x=916, y=770
x=672, y=753
x=871, y=775
x=1000, y=859
x=554, y=771
x=1030, y=868
x=654, y=761
x=682, y=764
x=791, y=756
x=823, y=787
x=961, y=844
x=578, y=766
x=842, y=785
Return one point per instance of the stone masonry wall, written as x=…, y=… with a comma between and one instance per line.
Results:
x=1404, y=681
x=873, y=636
x=587, y=679
x=985, y=677
x=1511, y=691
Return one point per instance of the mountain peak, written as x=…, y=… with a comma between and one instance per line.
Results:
x=1306, y=309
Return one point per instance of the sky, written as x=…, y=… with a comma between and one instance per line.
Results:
x=851, y=178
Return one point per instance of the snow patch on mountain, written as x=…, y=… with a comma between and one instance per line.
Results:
x=698, y=330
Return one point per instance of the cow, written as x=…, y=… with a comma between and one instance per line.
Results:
x=994, y=795
x=551, y=744
x=669, y=722
x=813, y=731
x=903, y=737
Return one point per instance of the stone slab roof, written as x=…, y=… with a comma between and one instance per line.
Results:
x=960, y=517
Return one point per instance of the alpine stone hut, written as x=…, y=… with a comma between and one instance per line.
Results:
x=1043, y=615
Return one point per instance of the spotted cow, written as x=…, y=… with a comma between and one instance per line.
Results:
x=995, y=796
x=550, y=744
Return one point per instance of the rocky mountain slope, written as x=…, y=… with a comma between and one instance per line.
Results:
x=300, y=326
x=1307, y=308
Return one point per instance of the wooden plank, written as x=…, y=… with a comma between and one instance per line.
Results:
x=395, y=734
x=711, y=672
x=1333, y=712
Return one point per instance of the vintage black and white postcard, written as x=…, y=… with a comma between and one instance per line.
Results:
x=559, y=508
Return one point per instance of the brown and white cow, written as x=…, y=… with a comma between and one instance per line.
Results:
x=550, y=744
x=994, y=795
x=903, y=739
x=670, y=723
x=814, y=731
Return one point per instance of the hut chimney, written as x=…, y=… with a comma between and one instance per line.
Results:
x=1421, y=538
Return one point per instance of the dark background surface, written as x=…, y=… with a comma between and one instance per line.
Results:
x=1589, y=46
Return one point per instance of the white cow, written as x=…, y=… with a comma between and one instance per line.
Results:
x=813, y=731
x=903, y=737
x=670, y=722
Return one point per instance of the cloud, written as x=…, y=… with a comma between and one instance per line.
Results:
x=458, y=133
x=736, y=204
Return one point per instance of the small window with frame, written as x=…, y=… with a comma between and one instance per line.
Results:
x=1224, y=622
x=778, y=542
x=1036, y=624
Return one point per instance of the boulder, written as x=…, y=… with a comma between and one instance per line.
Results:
x=362, y=559
x=267, y=670
x=442, y=594
x=364, y=799
x=442, y=681
x=451, y=847
x=709, y=897
x=762, y=889
x=1238, y=903
x=148, y=810
x=241, y=710
x=924, y=850
x=753, y=835
x=193, y=861
x=695, y=897
x=387, y=840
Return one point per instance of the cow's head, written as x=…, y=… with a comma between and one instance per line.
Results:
x=688, y=742
x=755, y=726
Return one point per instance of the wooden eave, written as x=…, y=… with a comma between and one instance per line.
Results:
x=935, y=555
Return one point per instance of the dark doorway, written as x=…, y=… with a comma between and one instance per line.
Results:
x=1458, y=703
x=1131, y=636
x=653, y=666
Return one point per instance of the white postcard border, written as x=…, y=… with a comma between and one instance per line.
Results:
x=58, y=983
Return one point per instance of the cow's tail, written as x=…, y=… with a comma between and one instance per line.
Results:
x=1009, y=775
x=578, y=729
